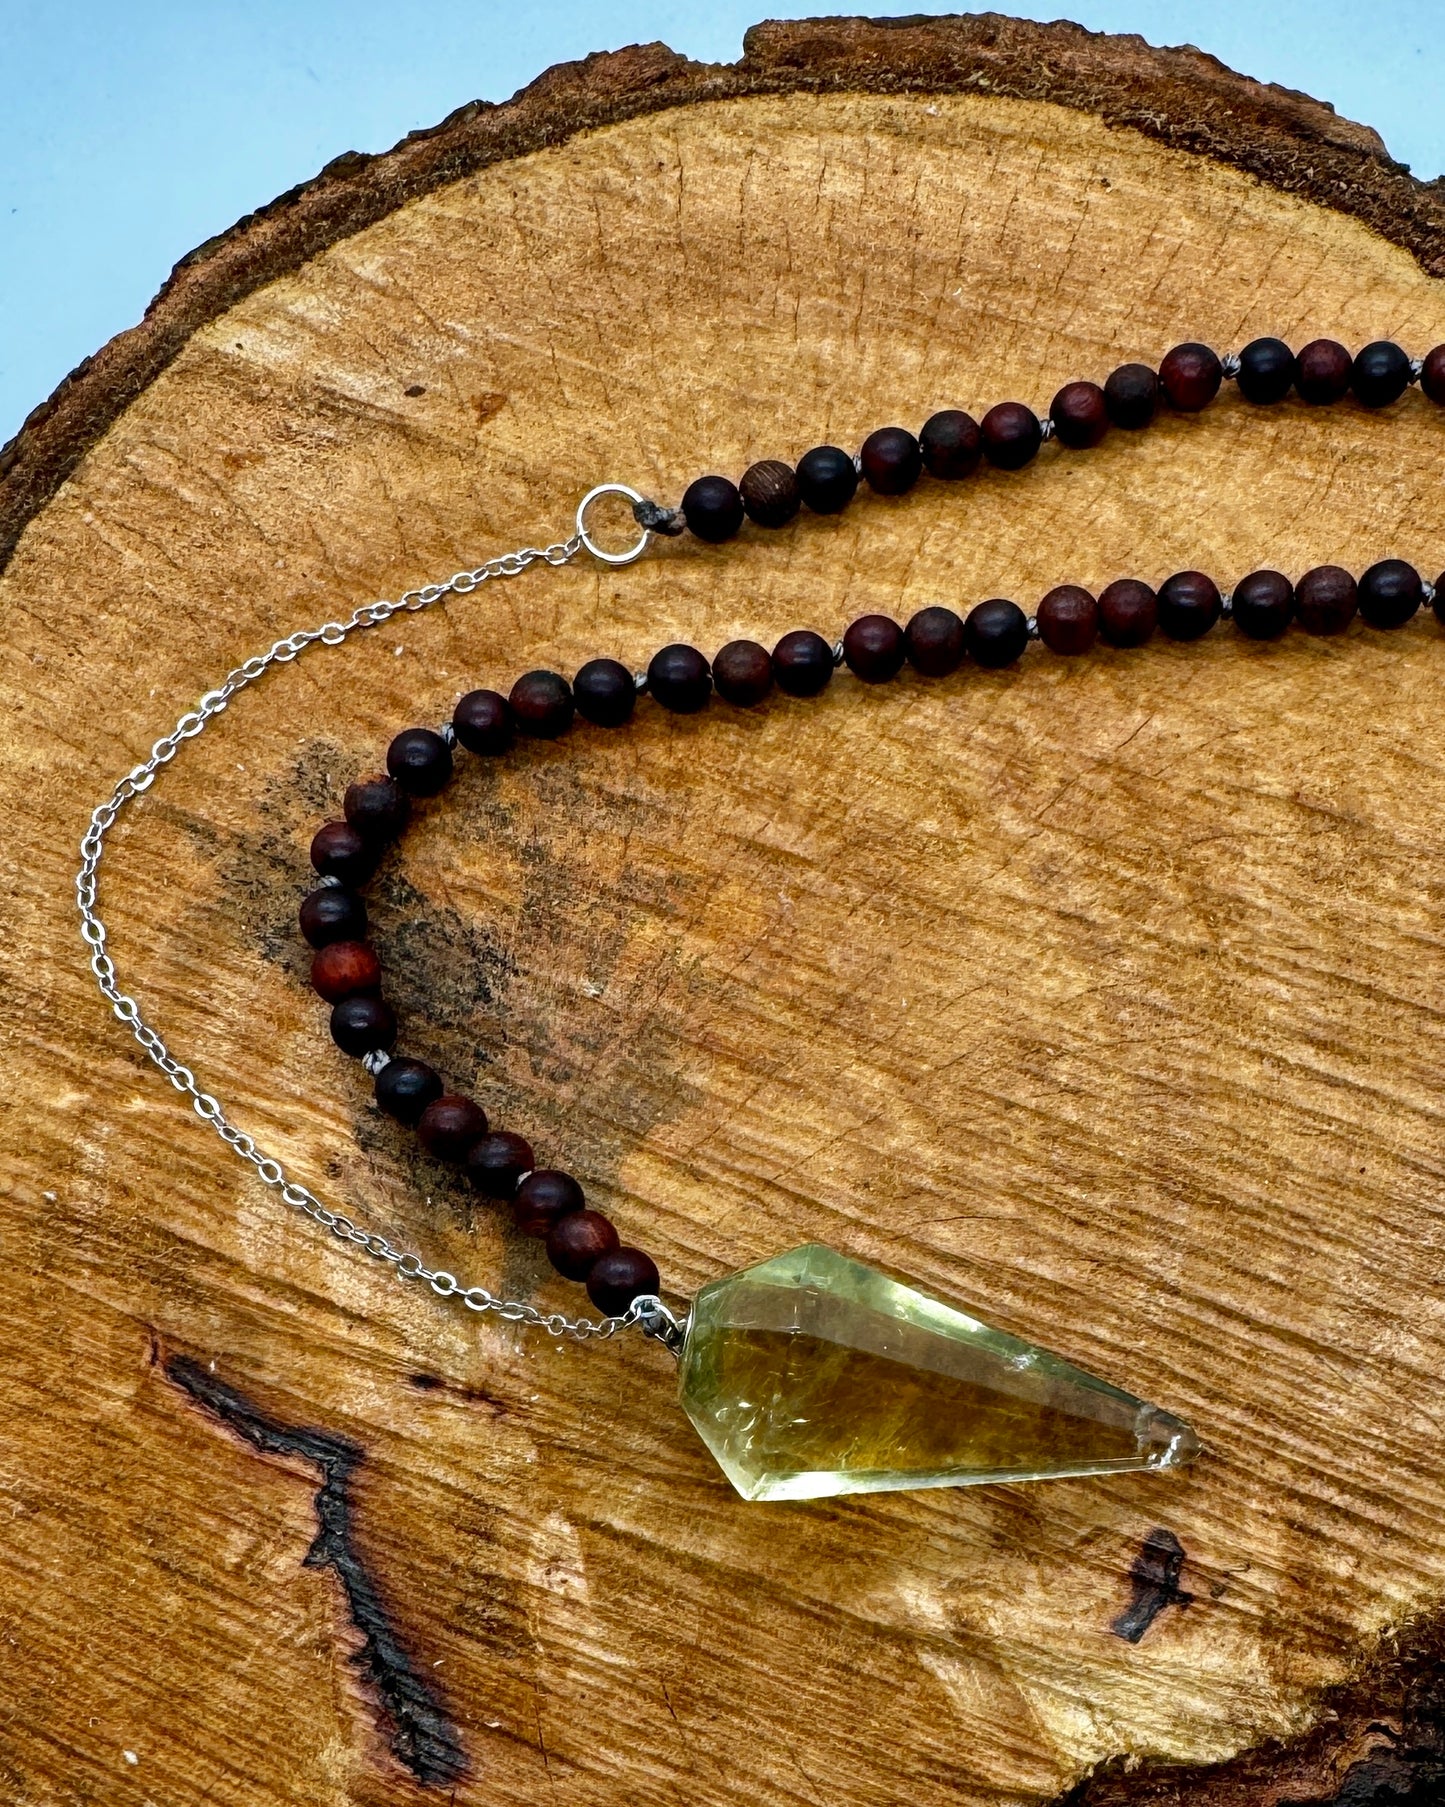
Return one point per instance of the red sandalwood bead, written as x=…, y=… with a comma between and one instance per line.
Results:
x=1068, y=619
x=344, y=968
x=576, y=1243
x=450, y=1125
x=543, y=1199
x=620, y=1277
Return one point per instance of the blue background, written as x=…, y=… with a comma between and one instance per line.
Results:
x=135, y=131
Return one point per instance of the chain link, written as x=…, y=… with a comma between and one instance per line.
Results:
x=270, y=1171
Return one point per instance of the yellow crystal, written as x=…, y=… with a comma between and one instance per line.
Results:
x=811, y=1374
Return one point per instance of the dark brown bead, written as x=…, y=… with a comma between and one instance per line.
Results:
x=934, y=642
x=951, y=445
x=1390, y=593
x=802, y=663
x=377, y=808
x=1326, y=599
x=332, y=914
x=345, y=967
x=1068, y=619
x=1380, y=375
x=996, y=633
x=545, y=1198
x=770, y=493
x=496, y=1162
x=542, y=705
x=873, y=648
x=619, y=1277
x=1438, y=605
x=1080, y=415
x=420, y=761
x=680, y=679
x=891, y=460
x=1011, y=435
x=1322, y=372
x=404, y=1088
x=1266, y=371
x=340, y=851
x=449, y=1125
x=1128, y=612
x=362, y=1024
x=575, y=1243
x=1189, y=605
x=1432, y=375
x=827, y=479
x=743, y=673
x=713, y=509
x=484, y=723
x=605, y=692
x=1131, y=396
x=1263, y=605
x=1190, y=376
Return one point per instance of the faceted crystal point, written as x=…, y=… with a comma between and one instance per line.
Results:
x=812, y=1374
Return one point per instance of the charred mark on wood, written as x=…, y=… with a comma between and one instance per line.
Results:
x=1155, y=1577
x=422, y=1736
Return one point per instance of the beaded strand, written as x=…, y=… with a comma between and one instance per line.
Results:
x=581, y=1243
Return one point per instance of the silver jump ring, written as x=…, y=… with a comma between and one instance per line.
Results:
x=610, y=558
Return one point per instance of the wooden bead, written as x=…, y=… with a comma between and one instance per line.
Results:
x=542, y=705
x=1432, y=375
x=332, y=914
x=449, y=1125
x=1080, y=415
x=1190, y=376
x=802, y=663
x=827, y=479
x=873, y=648
x=1068, y=619
x=420, y=761
x=362, y=1024
x=934, y=642
x=1263, y=605
x=377, y=808
x=951, y=445
x=1189, y=605
x=1380, y=375
x=680, y=679
x=892, y=462
x=1437, y=606
x=770, y=493
x=996, y=633
x=743, y=673
x=343, y=968
x=1322, y=372
x=1266, y=371
x=340, y=851
x=713, y=509
x=496, y=1162
x=404, y=1088
x=543, y=1199
x=1128, y=612
x=1326, y=600
x=605, y=693
x=484, y=723
x=1390, y=593
x=1011, y=435
x=575, y=1243
x=1131, y=396
x=619, y=1277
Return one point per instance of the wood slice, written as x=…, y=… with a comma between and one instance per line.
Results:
x=1105, y=996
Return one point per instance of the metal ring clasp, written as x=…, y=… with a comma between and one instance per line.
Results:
x=610, y=558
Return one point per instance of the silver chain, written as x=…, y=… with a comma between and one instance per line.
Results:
x=649, y=1311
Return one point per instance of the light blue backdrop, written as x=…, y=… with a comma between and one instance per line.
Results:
x=133, y=132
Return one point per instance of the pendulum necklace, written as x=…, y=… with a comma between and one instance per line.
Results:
x=810, y=1373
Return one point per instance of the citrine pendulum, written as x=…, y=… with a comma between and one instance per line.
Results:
x=811, y=1374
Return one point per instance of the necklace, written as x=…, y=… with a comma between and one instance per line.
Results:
x=810, y=1373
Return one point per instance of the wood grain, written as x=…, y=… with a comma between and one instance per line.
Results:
x=1104, y=996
